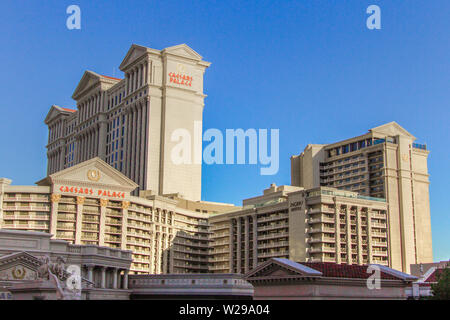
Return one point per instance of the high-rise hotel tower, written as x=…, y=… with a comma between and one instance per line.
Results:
x=383, y=163
x=129, y=122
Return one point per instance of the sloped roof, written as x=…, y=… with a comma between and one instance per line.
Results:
x=320, y=270
x=109, y=176
x=55, y=111
x=334, y=270
x=392, y=128
x=433, y=277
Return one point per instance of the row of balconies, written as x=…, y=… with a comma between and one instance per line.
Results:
x=138, y=225
x=184, y=249
x=223, y=267
x=273, y=218
x=26, y=197
x=220, y=235
x=8, y=216
x=221, y=251
x=318, y=239
x=321, y=220
x=191, y=236
x=274, y=244
x=274, y=226
x=191, y=244
x=273, y=254
x=273, y=235
x=220, y=243
x=88, y=218
x=139, y=217
x=9, y=206
x=190, y=258
x=189, y=265
x=15, y=225
x=220, y=259
x=137, y=234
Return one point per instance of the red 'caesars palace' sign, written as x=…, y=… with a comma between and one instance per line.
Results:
x=180, y=79
x=90, y=191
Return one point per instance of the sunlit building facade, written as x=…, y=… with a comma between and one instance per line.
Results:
x=90, y=203
x=128, y=122
x=385, y=163
x=315, y=225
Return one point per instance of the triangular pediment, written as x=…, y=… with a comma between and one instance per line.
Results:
x=55, y=111
x=18, y=266
x=281, y=268
x=88, y=81
x=135, y=52
x=93, y=173
x=184, y=51
x=392, y=129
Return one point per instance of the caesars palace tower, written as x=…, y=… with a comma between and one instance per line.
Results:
x=128, y=122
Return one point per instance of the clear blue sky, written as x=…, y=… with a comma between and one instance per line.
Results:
x=310, y=68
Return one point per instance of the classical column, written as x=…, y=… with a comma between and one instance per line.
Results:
x=102, y=137
x=146, y=73
x=62, y=155
x=79, y=219
x=125, y=279
x=101, y=236
x=114, y=275
x=90, y=273
x=128, y=143
x=132, y=141
x=103, y=283
x=54, y=198
x=139, y=76
x=138, y=151
x=143, y=135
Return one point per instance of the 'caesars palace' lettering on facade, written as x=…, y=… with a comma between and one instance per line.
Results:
x=90, y=191
x=180, y=79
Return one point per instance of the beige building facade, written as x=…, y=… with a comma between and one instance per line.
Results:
x=129, y=122
x=384, y=163
x=90, y=204
x=308, y=225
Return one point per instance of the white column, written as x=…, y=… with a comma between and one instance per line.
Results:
x=125, y=279
x=103, y=283
x=143, y=135
x=138, y=145
x=90, y=273
x=114, y=275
